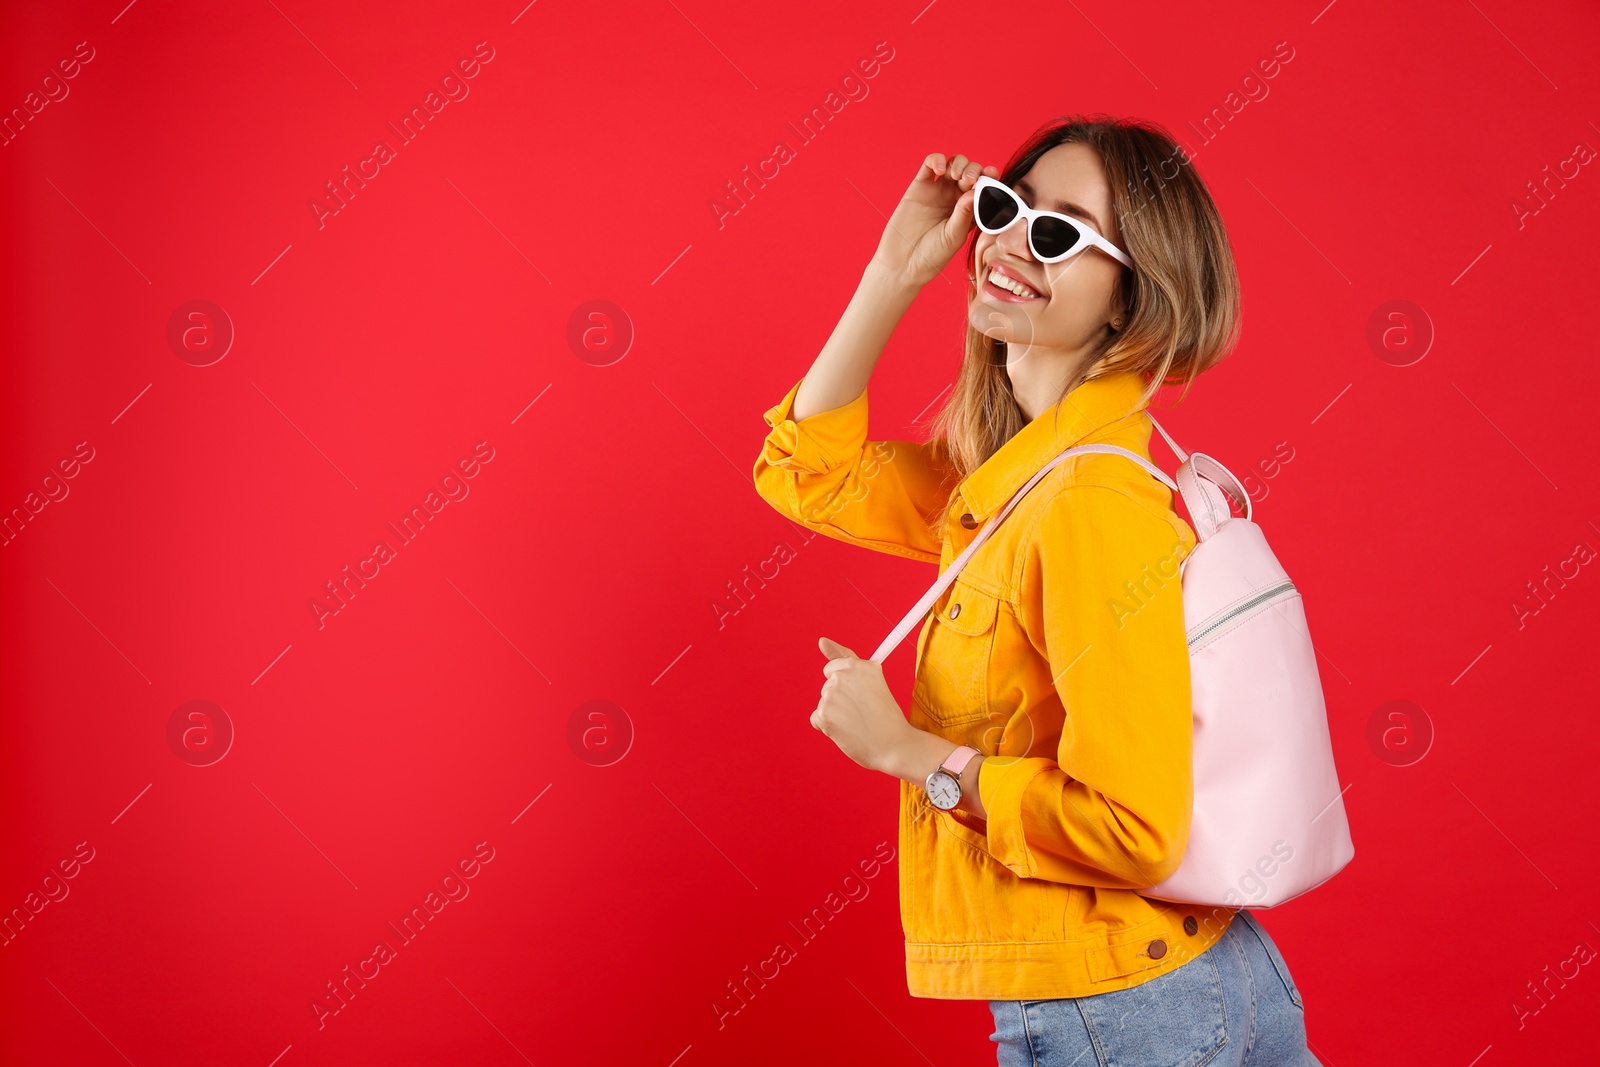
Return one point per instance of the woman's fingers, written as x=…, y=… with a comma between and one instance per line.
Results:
x=958, y=168
x=964, y=172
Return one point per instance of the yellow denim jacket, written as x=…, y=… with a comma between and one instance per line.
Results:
x=1060, y=653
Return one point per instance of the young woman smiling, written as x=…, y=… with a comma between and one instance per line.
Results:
x=1045, y=765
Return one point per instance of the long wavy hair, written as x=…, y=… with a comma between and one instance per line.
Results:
x=1180, y=299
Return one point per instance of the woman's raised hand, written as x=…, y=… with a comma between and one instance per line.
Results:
x=932, y=219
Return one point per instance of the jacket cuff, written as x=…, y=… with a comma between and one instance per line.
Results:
x=819, y=443
x=1002, y=782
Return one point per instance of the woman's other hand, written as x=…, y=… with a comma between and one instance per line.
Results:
x=857, y=711
x=932, y=220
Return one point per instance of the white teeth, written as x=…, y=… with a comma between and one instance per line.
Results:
x=1010, y=285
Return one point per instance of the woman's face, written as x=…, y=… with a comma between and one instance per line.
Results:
x=1073, y=304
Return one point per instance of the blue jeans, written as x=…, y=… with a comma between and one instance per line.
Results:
x=1234, y=1004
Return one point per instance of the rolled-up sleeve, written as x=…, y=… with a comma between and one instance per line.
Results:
x=1100, y=596
x=823, y=473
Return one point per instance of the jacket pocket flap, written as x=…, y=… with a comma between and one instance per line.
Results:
x=967, y=609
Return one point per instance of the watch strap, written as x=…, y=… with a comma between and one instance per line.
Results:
x=957, y=761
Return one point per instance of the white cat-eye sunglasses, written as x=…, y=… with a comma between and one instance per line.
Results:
x=1052, y=237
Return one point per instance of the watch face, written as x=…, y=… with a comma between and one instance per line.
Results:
x=944, y=791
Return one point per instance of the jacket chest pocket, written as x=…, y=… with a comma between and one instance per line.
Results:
x=957, y=643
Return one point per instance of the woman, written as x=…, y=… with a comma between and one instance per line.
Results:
x=1045, y=766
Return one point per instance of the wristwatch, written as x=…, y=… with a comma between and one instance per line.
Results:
x=944, y=785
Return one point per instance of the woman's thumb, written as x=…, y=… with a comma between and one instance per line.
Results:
x=960, y=221
x=834, y=650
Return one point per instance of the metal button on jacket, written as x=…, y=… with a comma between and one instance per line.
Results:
x=1158, y=948
x=1190, y=927
x=955, y=609
x=969, y=522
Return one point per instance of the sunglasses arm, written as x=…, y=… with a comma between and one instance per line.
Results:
x=1112, y=250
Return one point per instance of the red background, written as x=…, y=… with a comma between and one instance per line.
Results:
x=371, y=354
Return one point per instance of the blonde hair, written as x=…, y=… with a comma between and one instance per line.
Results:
x=1181, y=298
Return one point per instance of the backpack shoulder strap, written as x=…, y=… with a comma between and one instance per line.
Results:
x=1118, y=450
x=1198, y=482
x=920, y=610
x=1176, y=451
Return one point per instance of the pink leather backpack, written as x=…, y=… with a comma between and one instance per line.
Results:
x=1268, y=822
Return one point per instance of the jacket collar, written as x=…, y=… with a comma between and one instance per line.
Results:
x=1078, y=418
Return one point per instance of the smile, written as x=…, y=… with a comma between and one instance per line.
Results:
x=1010, y=286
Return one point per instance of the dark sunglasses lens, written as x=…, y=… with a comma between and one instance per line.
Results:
x=996, y=208
x=1053, y=238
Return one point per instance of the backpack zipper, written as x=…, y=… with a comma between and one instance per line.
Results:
x=1272, y=592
